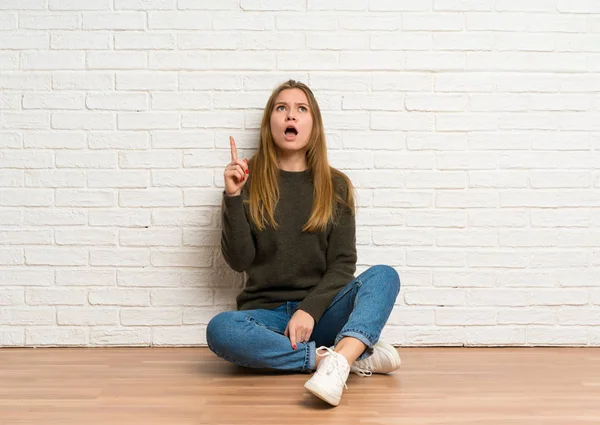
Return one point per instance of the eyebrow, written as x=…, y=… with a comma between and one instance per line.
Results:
x=286, y=103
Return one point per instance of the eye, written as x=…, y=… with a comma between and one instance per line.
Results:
x=303, y=109
x=280, y=108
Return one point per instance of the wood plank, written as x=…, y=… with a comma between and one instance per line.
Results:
x=192, y=386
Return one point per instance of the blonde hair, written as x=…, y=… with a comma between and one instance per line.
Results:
x=263, y=184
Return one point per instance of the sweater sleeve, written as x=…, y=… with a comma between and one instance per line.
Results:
x=237, y=244
x=341, y=265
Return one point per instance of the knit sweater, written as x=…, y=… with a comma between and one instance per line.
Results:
x=287, y=264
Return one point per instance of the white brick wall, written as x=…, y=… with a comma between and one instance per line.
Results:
x=471, y=129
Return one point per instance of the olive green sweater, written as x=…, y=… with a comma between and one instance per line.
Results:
x=287, y=264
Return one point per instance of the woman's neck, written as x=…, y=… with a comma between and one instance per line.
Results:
x=294, y=162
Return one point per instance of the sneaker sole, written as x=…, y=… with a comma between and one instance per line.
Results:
x=323, y=395
x=391, y=354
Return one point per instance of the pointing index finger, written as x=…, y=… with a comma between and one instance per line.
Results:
x=234, y=156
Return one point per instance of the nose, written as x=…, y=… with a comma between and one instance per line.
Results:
x=290, y=116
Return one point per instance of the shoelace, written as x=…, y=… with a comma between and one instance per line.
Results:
x=362, y=367
x=331, y=366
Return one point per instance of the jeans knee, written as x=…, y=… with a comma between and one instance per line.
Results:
x=221, y=329
x=388, y=276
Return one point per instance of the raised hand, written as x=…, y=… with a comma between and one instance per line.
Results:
x=235, y=172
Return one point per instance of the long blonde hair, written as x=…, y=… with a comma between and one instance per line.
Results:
x=263, y=184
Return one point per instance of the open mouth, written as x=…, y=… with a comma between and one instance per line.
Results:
x=291, y=131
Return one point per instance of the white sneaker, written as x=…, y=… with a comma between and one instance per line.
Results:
x=329, y=381
x=385, y=359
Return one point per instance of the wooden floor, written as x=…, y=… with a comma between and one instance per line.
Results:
x=94, y=386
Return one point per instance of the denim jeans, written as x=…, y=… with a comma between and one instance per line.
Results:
x=255, y=338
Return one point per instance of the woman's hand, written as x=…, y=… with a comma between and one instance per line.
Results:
x=235, y=172
x=300, y=327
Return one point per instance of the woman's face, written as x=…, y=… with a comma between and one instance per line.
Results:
x=291, y=120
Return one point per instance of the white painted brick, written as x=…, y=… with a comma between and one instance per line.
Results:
x=56, y=256
x=181, y=258
x=375, y=179
x=464, y=317
x=578, y=6
x=119, y=140
x=11, y=178
x=84, y=198
x=149, y=159
x=459, y=238
x=58, y=178
x=232, y=119
x=32, y=41
x=9, y=61
x=26, y=237
x=146, y=81
x=369, y=22
x=351, y=160
x=463, y=5
x=20, y=316
x=147, y=120
x=466, y=199
x=114, y=21
x=577, y=316
x=55, y=140
x=119, y=218
x=312, y=22
x=150, y=316
x=529, y=316
x=561, y=218
x=542, y=336
x=275, y=41
x=11, y=217
x=551, y=179
x=150, y=237
x=56, y=296
x=560, y=297
x=80, y=40
x=27, y=198
x=149, y=278
x=221, y=5
x=208, y=81
x=375, y=140
x=144, y=4
x=10, y=101
x=16, y=81
x=55, y=217
x=150, y=198
x=83, y=120
x=497, y=259
x=10, y=140
x=119, y=257
x=53, y=60
x=496, y=336
x=30, y=120
x=121, y=337
x=436, y=219
x=91, y=237
x=56, y=336
x=202, y=197
x=12, y=296
x=86, y=277
x=48, y=21
x=194, y=237
x=143, y=40
x=435, y=258
x=405, y=160
x=560, y=259
x=497, y=297
x=29, y=276
x=435, y=180
x=408, y=82
x=466, y=279
x=491, y=179
x=181, y=100
x=377, y=60
x=82, y=81
x=432, y=22
x=187, y=178
x=434, y=61
x=206, y=158
x=182, y=140
x=75, y=159
x=119, y=297
x=12, y=336
x=398, y=236
x=117, y=101
x=179, y=336
x=267, y=81
x=8, y=21
x=402, y=121
x=181, y=297
x=120, y=179
x=185, y=217
x=88, y=316
x=116, y=60
x=432, y=336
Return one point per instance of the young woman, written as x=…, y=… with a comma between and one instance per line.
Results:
x=288, y=222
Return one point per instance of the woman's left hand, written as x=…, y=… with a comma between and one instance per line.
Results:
x=299, y=327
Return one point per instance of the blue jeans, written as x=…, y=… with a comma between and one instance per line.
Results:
x=255, y=338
